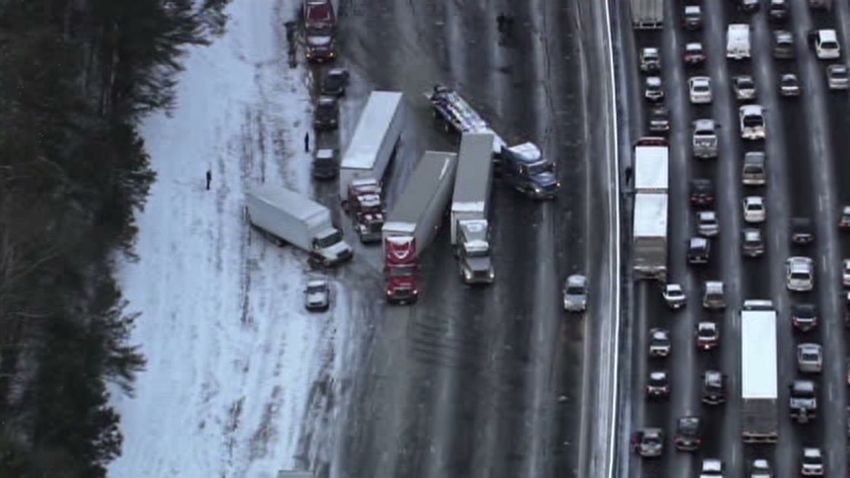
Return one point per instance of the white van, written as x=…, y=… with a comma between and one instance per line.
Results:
x=738, y=41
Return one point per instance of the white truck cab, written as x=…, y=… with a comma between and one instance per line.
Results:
x=738, y=41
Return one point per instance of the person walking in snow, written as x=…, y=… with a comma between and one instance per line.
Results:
x=209, y=179
x=307, y=142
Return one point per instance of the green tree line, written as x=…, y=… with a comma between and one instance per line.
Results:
x=75, y=78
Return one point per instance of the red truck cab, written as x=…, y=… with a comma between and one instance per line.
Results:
x=319, y=30
x=401, y=266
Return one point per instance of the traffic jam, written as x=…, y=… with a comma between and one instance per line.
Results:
x=740, y=238
x=455, y=181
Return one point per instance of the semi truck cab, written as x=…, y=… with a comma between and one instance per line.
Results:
x=401, y=266
x=525, y=168
x=473, y=248
x=329, y=249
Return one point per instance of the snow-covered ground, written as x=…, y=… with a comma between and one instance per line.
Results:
x=236, y=368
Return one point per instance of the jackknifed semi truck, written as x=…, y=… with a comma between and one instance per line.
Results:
x=373, y=144
x=759, y=393
x=288, y=217
x=414, y=221
x=470, y=230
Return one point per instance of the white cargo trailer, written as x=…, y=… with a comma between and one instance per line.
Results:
x=738, y=41
x=292, y=218
x=650, y=236
x=374, y=141
x=759, y=414
x=647, y=14
x=469, y=228
x=651, y=168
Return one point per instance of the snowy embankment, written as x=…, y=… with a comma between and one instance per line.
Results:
x=233, y=360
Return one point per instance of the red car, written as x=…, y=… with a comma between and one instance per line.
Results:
x=694, y=54
x=844, y=222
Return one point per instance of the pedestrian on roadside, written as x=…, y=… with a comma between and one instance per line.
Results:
x=307, y=142
x=209, y=178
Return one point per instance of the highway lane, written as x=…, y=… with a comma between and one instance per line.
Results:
x=825, y=202
x=779, y=200
x=484, y=382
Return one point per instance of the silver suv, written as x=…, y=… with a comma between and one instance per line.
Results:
x=713, y=297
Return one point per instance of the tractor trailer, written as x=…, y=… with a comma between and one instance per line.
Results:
x=647, y=14
x=651, y=165
x=414, y=221
x=470, y=232
x=759, y=413
x=288, y=217
x=650, y=236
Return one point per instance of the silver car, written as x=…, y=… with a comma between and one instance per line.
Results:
x=754, y=209
x=837, y=77
x=713, y=297
x=674, y=296
x=575, y=293
x=707, y=223
x=699, y=89
x=317, y=295
x=799, y=274
x=809, y=358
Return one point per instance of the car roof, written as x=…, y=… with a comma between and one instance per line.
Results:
x=649, y=49
x=699, y=79
x=751, y=109
x=707, y=215
x=811, y=451
x=317, y=282
x=692, y=8
x=658, y=374
x=577, y=279
x=698, y=241
x=752, y=233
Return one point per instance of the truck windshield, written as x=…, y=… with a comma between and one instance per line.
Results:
x=540, y=168
x=329, y=240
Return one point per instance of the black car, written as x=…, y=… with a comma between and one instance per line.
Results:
x=659, y=119
x=778, y=10
x=752, y=242
x=326, y=114
x=658, y=384
x=749, y=6
x=699, y=250
x=713, y=387
x=688, y=433
x=335, y=82
x=702, y=192
x=802, y=231
x=804, y=317
x=692, y=18
x=324, y=164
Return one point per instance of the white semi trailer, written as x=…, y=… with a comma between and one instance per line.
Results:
x=470, y=230
x=652, y=165
x=647, y=14
x=759, y=393
x=374, y=141
x=650, y=236
x=289, y=217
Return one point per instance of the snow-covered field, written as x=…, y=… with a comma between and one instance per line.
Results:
x=236, y=368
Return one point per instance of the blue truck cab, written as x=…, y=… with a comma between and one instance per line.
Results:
x=526, y=170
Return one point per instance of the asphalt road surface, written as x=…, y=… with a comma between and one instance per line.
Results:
x=495, y=381
x=806, y=143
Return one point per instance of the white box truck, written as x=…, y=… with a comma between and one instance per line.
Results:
x=652, y=165
x=647, y=14
x=414, y=221
x=759, y=394
x=650, y=236
x=470, y=232
x=289, y=217
x=738, y=41
x=374, y=140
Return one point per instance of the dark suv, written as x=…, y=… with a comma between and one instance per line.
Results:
x=713, y=387
x=802, y=232
x=702, y=192
x=688, y=433
x=804, y=317
x=699, y=250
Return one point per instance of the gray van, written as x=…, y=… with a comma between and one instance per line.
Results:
x=753, y=172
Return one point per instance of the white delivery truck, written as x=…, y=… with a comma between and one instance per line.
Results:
x=759, y=414
x=647, y=14
x=650, y=236
x=289, y=217
x=738, y=41
x=374, y=140
x=470, y=233
x=651, y=165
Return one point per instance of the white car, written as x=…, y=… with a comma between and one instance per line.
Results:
x=799, y=274
x=812, y=463
x=845, y=273
x=317, y=295
x=837, y=77
x=751, y=118
x=707, y=223
x=653, y=89
x=699, y=89
x=575, y=293
x=754, y=209
x=711, y=468
x=826, y=44
x=674, y=296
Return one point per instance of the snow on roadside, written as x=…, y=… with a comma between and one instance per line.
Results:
x=232, y=356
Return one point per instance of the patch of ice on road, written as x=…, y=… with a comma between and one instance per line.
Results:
x=232, y=356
